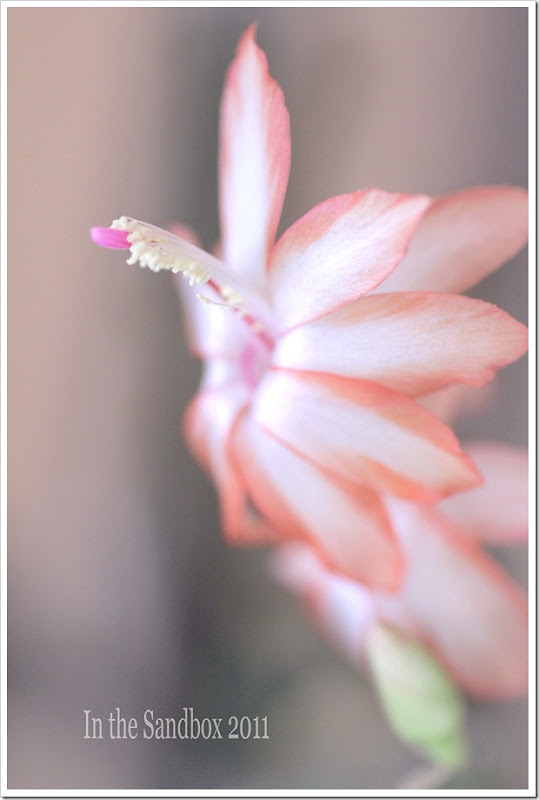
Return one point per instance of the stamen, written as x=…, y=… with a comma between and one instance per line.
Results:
x=230, y=295
x=208, y=300
x=155, y=251
x=158, y=250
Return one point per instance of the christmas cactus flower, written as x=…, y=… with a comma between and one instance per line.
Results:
x=316, y=353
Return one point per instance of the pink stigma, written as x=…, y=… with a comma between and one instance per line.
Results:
x=110, y=237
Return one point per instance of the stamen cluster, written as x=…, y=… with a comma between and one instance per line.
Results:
x=154, y=250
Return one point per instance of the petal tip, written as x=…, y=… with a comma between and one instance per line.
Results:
x=248, y=38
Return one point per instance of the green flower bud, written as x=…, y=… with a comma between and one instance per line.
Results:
x=421, y=702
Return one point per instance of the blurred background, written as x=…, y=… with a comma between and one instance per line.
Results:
x=121, y=592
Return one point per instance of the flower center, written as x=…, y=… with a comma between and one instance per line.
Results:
x=254, y=361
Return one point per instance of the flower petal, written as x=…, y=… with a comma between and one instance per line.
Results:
x=249, y=529
x=340, y=250
x=207, y=423
x=496, y=512
x=363, y=434
x=297, y=567
x=463, y=238
x=342, y=609
x=254, y=160
x=469, y=609
x=336, y=602
x=412, y=342
x=349, y=530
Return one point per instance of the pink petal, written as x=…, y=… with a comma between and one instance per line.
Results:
x=254, y=160
x=341, y=609
x=349, y=530
x=250, y=530
x=296, y=566
x=363, y=434
x=412, y=342
x=472, y=613
x=208, y=421
x=340, y=250
x=496, y=512
x=463, y=238
x=110, y=237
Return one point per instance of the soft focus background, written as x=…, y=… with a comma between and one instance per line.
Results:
x=120, y=590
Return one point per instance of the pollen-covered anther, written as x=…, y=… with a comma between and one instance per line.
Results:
x=192, y=271
x=123, y=224
x=157, y=252
x=230, y=298
x=209, y=301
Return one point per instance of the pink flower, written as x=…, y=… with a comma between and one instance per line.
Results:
x=455, y=599
x=315, y=359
